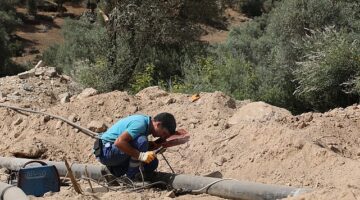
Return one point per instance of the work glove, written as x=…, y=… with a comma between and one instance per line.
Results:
x=147, y=157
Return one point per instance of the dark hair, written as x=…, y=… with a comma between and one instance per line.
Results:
x=167, y=121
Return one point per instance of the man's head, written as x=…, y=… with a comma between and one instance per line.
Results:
x=164, y=125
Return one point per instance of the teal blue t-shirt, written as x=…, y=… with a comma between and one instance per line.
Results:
x=135, y=125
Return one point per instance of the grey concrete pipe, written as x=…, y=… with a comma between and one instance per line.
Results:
x=78, y=170
x=10, y=192
x=232, y=189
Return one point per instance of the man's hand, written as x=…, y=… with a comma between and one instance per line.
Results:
x=147, y=157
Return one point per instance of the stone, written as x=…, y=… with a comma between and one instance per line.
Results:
x=58, y=125
x=17, y=122
x=46, y=118
x=308, y=117
x=29, y=149
x=48, y=194
x=193, y=121
x=40, y=71
x=100, y=103
x=65, y=79
x=2, y=100
x=169, y=101
x=302, y=125
x=87, y=93
x=108, y=119
x=171, y=194
x=65, y=97
x=216, y=123
x=27, y=74
x=16, y=93
x=97, y=126
x=73, y=118
x=50, y=72
x=27, y=87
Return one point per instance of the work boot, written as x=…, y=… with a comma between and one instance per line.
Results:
x=109, y=177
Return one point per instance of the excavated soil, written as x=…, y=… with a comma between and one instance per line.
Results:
x=250, y=141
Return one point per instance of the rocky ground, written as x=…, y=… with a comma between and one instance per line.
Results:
x=251, y=141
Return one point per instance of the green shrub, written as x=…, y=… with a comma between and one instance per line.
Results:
x=143, y=79
x=31, y=7
x=331, y=61
x=260, y=60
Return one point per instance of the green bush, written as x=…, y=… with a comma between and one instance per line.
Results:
x=31, y=7
x=330, y=62
x=260, y=60
x=8, y=48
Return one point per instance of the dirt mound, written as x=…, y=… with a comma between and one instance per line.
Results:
x=250, y=141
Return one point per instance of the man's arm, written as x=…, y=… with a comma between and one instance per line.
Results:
x=123, y=143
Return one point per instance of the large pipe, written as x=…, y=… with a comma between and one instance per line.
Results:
x=78, y=170
x=232, y=189
x=228, y=188
x=10, y=192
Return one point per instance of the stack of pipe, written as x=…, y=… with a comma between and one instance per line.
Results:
x=226, y=188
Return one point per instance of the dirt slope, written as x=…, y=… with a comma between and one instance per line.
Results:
x=244, y=140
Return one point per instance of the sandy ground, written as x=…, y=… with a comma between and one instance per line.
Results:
x=250, y=141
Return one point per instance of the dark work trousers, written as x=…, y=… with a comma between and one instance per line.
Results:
x=120, y=163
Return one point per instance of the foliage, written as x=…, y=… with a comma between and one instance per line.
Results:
x=8, y=23
x=143, y=79
x=83, y=53
x=273, y=56
x=332, y=59
x=31, y=7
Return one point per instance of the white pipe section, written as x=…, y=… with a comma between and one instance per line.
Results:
x=78, y=170
x=10, y=192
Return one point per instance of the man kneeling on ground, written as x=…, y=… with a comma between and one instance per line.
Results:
x=125, y=145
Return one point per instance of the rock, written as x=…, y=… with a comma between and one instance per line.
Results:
x=65, y=97
x=193, y=121
x=169, y=101
x=46, y=118
x=58, y=125
x=16, y=93
x=108, y=119
x=2, y=100
x=73, y=117
x=1, y=95
x=40, y=71
x=29, y=149
x=64, y=79
x=28, y=87
x=50, y=72
x=151, y=93
x=97, y=126
x=259, y=112
x=100, y=103
x=26, y=74
x=171, y=194
x=308, y=117
x=17, y=122
x=87, y=93
x=302, y=125
x=48, y=194
x=216, y=123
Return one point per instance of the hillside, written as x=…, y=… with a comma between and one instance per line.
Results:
x=244, y=140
